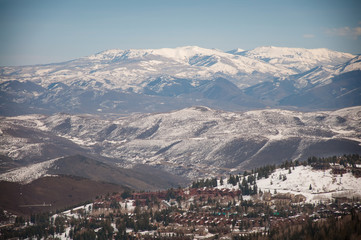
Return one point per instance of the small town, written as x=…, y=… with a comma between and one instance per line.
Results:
x=229, y=208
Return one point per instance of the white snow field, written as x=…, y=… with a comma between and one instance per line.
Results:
x=324, y=184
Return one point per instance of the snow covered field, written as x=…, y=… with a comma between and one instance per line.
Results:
x=323, y=184
x=315, y=185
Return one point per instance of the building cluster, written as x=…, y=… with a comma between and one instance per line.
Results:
x=233, y=210
x=211, y=212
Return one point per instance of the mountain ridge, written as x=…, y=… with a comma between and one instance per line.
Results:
x=189, y=56
x=137, y=178
x=156, y=80
x=191, y=142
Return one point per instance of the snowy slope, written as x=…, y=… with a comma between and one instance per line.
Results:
x=352, y=65
x=323, y=75
x=299, y=59
x=197, y=141
x=156, y=80
x=322, y=87
x=133, y=68
x=124, y=69
x=324, y=184
x=29, y=173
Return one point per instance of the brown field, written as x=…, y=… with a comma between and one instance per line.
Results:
x=61, y=192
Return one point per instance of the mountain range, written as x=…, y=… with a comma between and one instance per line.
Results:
x=159, y=80
x=185, y=144
x=158, y=118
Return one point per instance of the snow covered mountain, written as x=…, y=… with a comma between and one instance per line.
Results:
x=323, y=87
x=323, y=75
x=298, y=59
x=151, y=80
x=191, y=142
x=134, y=68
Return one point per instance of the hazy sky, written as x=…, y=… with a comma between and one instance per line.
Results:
x=44, y=31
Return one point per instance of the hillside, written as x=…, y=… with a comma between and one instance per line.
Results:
x=55, y=192
x=324, y=184
x=318, y=180
x=139, y=178
x=191, y=142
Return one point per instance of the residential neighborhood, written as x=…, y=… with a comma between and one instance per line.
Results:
x=217, y=208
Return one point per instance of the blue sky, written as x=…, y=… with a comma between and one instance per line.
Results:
x=44, y=31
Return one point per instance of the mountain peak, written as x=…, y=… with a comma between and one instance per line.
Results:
x=185, y=52
x=178, y=53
